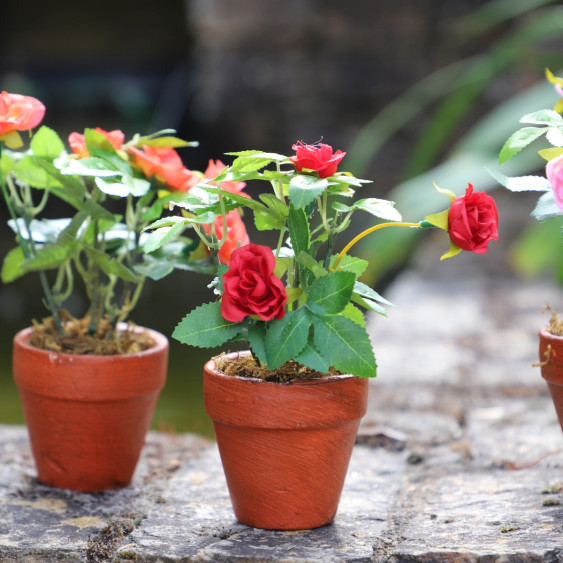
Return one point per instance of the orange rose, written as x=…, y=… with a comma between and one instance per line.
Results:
x=165, y=163
x=236, y=234
x=78, y=144
x=18, y=113
x=214, y=168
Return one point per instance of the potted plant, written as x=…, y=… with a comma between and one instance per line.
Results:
x=544, y=124
x=286, y=411
x=88, y=385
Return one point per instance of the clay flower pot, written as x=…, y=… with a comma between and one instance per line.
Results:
x=285, y=448
x=87, y=416
x=551, y=362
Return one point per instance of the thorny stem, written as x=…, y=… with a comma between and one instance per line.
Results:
x=367, y=232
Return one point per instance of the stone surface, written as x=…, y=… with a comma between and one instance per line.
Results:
x=460, y=457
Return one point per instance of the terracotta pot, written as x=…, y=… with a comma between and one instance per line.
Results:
x=551, y=362
x=285, y=448
x=87, y=416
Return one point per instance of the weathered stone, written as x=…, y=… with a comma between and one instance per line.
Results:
x=459, y=458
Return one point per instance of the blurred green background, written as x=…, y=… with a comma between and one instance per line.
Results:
x=415, y=91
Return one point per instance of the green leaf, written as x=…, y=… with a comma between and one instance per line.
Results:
x=116, y=189
x=546, y=208
x=256, y=339
x=205, y=327
x=275, y=215
x=29, y=171
x=351, y=264
x=329, y=294
x=46, y=144
x=378, y=207
x=48, y=257
x=287, y=337
x=354, y=314
x=518, y=140
x=110, y=266
x=163, y=235
x=313, y=359
x=305, y=189
x=345, y=345
x=311, y=264
x=542, y=117
x=12, y=267
x=363, y=290
x=90, y=166
x=369, y=304
x=167, y=141
x=154, y=269
x=299, y=232
x=522, y=183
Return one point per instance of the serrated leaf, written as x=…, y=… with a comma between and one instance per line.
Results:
x=110, y=266
x=90, y=166
x=303, y=190
x=47, y=258
x=363, y=290
x=378, y=207
x=369, y=304
x=345, y=345
x=555, y=136
x=522, y=183
x=354, y=314
x=312, y=358
x=518, y=140
x=46, y=143
x=287, y=337
x=351, y=264
x=546, y=207
x=310, y=263
x=542, y=117
x=29, y=171
x=163, y=235
x=299, y=232
x=329, y=294
x=205, y=327
x=12, y=267
x=256, y=339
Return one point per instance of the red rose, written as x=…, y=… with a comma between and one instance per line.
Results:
x=473, y=221
x=78, y=144
x=250, y=287
x=316, y=157
x=165, y=163
x=236, y=234
x=212, y=171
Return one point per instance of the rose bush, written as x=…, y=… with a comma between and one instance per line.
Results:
x=473, y=221
x=250, y=286
x=300, y=301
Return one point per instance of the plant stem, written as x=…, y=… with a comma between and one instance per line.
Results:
x=367, y=232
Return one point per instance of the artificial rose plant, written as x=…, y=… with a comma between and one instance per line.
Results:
x=110, y=189
x=301, y=300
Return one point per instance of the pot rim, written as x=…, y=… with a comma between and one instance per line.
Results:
x=549, y=335
x=160, y=343
x=210, y=364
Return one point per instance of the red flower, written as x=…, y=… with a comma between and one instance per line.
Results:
x=473, y=221
x=18, y=113
x=165, y=163
x=250, y=287
x=236, y=234
x=316, y=157
x=78, y=144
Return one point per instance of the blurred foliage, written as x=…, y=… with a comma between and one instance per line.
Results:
x=446, y=98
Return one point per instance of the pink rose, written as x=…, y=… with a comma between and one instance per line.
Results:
x=165, y=163
x=19, y=113
x=78, y=144
x=316, y=157
x=554, y=173
x=473, y=221
x=250, y=287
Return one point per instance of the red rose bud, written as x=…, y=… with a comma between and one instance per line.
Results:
x=473, y=221
x=250, y=286
x=316, y=157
